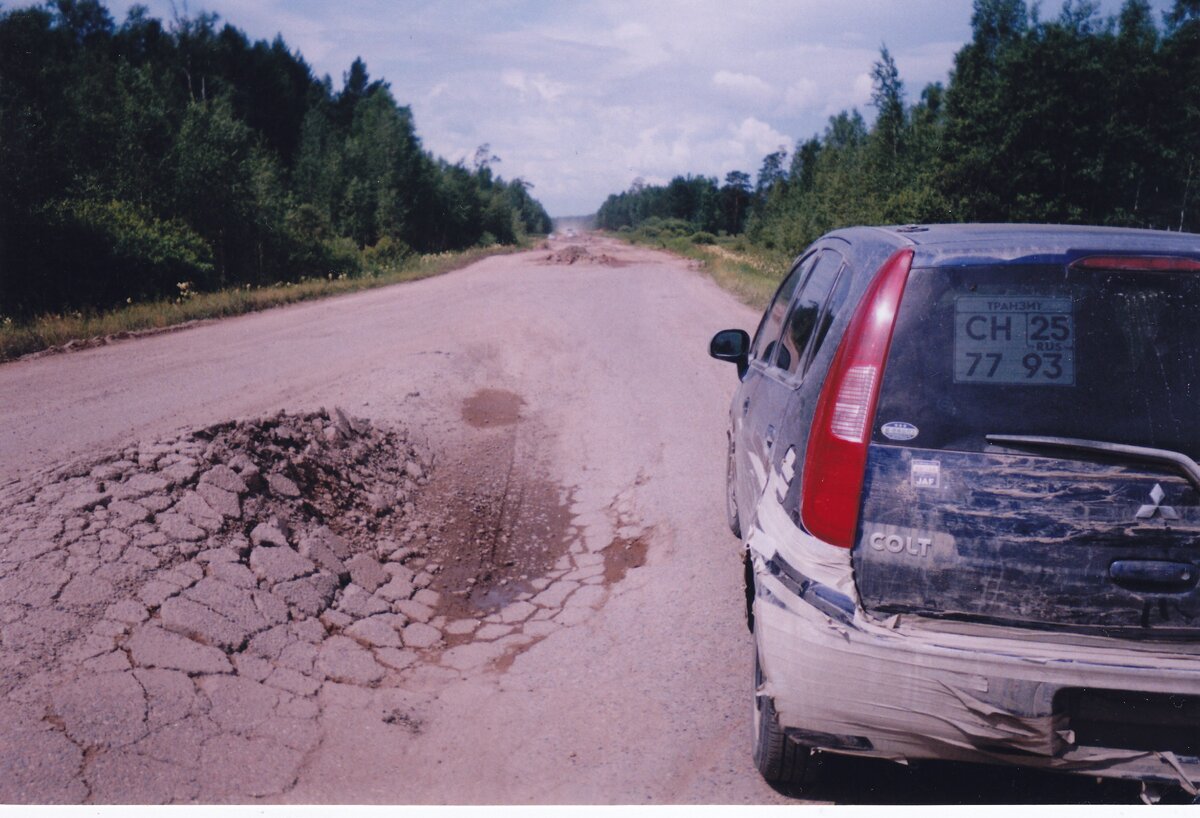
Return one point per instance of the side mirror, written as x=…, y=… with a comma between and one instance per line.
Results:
x=732, y=345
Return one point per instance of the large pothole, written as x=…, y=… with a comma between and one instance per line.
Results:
x=495, y=526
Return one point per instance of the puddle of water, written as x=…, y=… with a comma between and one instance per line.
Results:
x=488, y=408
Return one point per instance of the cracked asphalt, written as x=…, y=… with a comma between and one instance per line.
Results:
x=176, y=613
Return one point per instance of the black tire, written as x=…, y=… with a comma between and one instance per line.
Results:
x=783, y=763
x=751, y=591
x=731, y=509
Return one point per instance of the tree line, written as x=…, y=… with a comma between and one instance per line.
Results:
x=1075, y=119
x=694, y=199
x=144, y=158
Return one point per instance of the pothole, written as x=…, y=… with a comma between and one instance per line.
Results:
x=492, y=407
x=495, y=526
x=404, y=720
x=621, y=555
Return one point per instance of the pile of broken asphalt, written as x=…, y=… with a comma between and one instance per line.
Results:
x=154, y=599
x=178, y=618
x=577, y=253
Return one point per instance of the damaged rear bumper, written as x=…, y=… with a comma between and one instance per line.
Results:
x=844, y=682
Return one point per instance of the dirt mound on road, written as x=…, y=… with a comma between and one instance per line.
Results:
x=177, y=618
x=201, y=590
x=575, y=253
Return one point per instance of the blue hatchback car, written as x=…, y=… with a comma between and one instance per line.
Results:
x=962, y=459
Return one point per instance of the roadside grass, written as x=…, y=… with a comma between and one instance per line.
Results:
x=81, y=329
x=751, y=273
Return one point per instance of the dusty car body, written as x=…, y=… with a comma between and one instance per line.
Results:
x=962, y=462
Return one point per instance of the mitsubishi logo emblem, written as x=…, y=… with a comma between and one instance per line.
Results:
x=1148, y=511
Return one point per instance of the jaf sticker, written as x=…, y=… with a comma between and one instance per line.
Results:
x=1014, y=339
x=926, y=474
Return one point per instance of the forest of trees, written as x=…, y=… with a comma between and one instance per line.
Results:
x=1076, y=119
x=138, y=156
x=694, y=199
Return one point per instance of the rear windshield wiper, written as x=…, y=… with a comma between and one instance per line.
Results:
x=1161, y=456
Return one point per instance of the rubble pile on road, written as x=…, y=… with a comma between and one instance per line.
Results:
x=180, y=617
x=569, y=255
x=180, y=603
x=576, y=253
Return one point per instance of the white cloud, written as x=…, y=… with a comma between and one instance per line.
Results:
x=745, y=86
x=538, y=85
x=640, y=46
x=757, y=138
x=801, y=95
x=863, y=85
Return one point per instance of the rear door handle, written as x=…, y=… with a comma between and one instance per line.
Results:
x=745, y=407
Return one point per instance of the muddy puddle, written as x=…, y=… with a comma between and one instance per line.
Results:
x=496, y=522
x=623, y=554
x=500, y=529
x=492, y=407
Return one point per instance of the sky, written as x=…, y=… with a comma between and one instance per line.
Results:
x=581, y=98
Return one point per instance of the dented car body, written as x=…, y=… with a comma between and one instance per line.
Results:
x=962, y=462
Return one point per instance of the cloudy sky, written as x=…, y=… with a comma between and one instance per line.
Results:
x=580, y=98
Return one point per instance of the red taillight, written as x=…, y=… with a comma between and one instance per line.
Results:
x=841, y=428
x=1145, y=264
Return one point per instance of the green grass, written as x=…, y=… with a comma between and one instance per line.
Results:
x=751, y=273
x=19, y=338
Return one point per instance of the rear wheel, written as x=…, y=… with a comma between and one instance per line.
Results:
x=782, y=762
x=748, y=582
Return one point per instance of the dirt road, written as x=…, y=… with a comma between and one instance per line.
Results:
x=585, y=386
x=481, y=558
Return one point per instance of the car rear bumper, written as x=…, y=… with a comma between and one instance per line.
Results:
x=913, y=690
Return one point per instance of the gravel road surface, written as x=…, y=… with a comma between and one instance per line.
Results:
x=454, y=541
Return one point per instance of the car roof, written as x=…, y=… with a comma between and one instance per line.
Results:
x=959, y=244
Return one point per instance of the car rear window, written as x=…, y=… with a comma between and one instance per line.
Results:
x=1044, y=350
